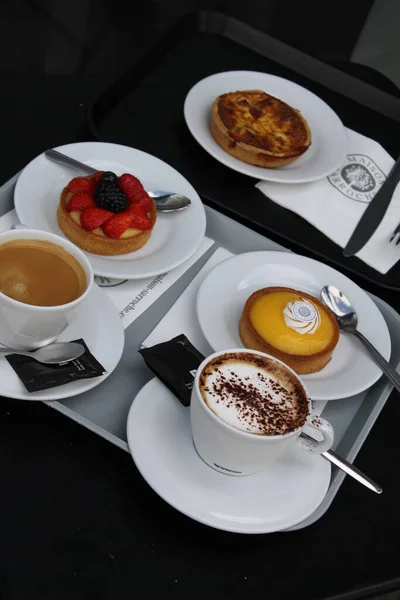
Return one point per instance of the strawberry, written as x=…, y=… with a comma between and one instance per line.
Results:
x=117, y=224
x=96, y=177
x=139, y=218
x=144, y=201
x=81, y=184
x=130, y=185
x=80, y=201
x=94, y=217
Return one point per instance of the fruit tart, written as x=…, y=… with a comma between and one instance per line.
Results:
x=106, y=214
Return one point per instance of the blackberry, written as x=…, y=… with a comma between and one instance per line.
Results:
x=108, y=177
x=111, y=198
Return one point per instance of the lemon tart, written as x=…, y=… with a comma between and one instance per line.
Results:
x=290, y=325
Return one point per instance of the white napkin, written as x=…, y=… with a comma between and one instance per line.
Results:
x=182, y=316
x=133, y=296
x=335, y=204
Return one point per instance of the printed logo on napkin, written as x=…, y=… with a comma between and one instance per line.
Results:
x=359, y=179
x=108, y=282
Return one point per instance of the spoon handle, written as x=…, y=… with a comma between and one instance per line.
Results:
x=347, y=467
x=389, y=371
x=4, y=350
x=351, y=470
x=67, y=160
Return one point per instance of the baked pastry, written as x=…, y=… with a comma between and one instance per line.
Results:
x=106, y=214
x=258, y=128
x=290, y=325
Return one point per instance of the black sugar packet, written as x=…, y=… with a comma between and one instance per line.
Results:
x=36, y=376
x=175, y=363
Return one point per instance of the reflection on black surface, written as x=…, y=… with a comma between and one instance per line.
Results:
x=54, y=37
x=56, y=56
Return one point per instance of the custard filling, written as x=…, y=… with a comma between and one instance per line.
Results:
x=129, y=233
x=291, y=323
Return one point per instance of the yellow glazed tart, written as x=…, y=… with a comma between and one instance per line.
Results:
x=290, y=325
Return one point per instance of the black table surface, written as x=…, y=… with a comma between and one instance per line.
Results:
x=78, y=521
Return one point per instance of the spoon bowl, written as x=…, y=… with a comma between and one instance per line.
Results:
x=341, y=307
x=52, y=354
x=169, y=201
x=347, y=320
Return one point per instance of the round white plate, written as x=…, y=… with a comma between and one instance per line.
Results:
x=276, y=498
x=225, y=289
x=99, y=325
x=176, y=236
x=328, y=144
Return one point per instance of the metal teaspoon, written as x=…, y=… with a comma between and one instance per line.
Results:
x=347, y=320
x=53, y=354
x=164, y=201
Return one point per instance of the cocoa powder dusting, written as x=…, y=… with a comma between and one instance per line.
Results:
x=280, y=408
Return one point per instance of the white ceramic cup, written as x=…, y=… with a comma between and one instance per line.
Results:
x=235, y=452
x=28, y=327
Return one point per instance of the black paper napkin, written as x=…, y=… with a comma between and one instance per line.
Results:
x=37, y=376
x=175, y=363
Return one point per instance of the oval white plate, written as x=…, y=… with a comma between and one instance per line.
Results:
x=225, y=289
x=99, y=324
x=329, y=142
x=176, y=236
x=280, y=496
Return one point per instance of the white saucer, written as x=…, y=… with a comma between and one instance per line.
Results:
x=276, y=498
x=99, y=324
x=224, y=291
x=329, y=141
x=176, y=236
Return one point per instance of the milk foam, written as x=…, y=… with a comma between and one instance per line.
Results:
x=253, y=398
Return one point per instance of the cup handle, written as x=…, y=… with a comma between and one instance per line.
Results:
x=324, y=428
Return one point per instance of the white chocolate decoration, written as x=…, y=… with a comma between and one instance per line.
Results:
x=302, y=317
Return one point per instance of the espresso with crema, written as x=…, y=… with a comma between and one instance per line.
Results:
x=254, y=394
x=40, y=273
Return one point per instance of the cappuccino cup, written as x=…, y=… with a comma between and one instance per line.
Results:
x=247, y=408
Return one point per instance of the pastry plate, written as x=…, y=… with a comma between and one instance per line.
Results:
x=99, y=324
x=225, y=289
x=328, y=144
x=176, y=236
x=278, y=497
